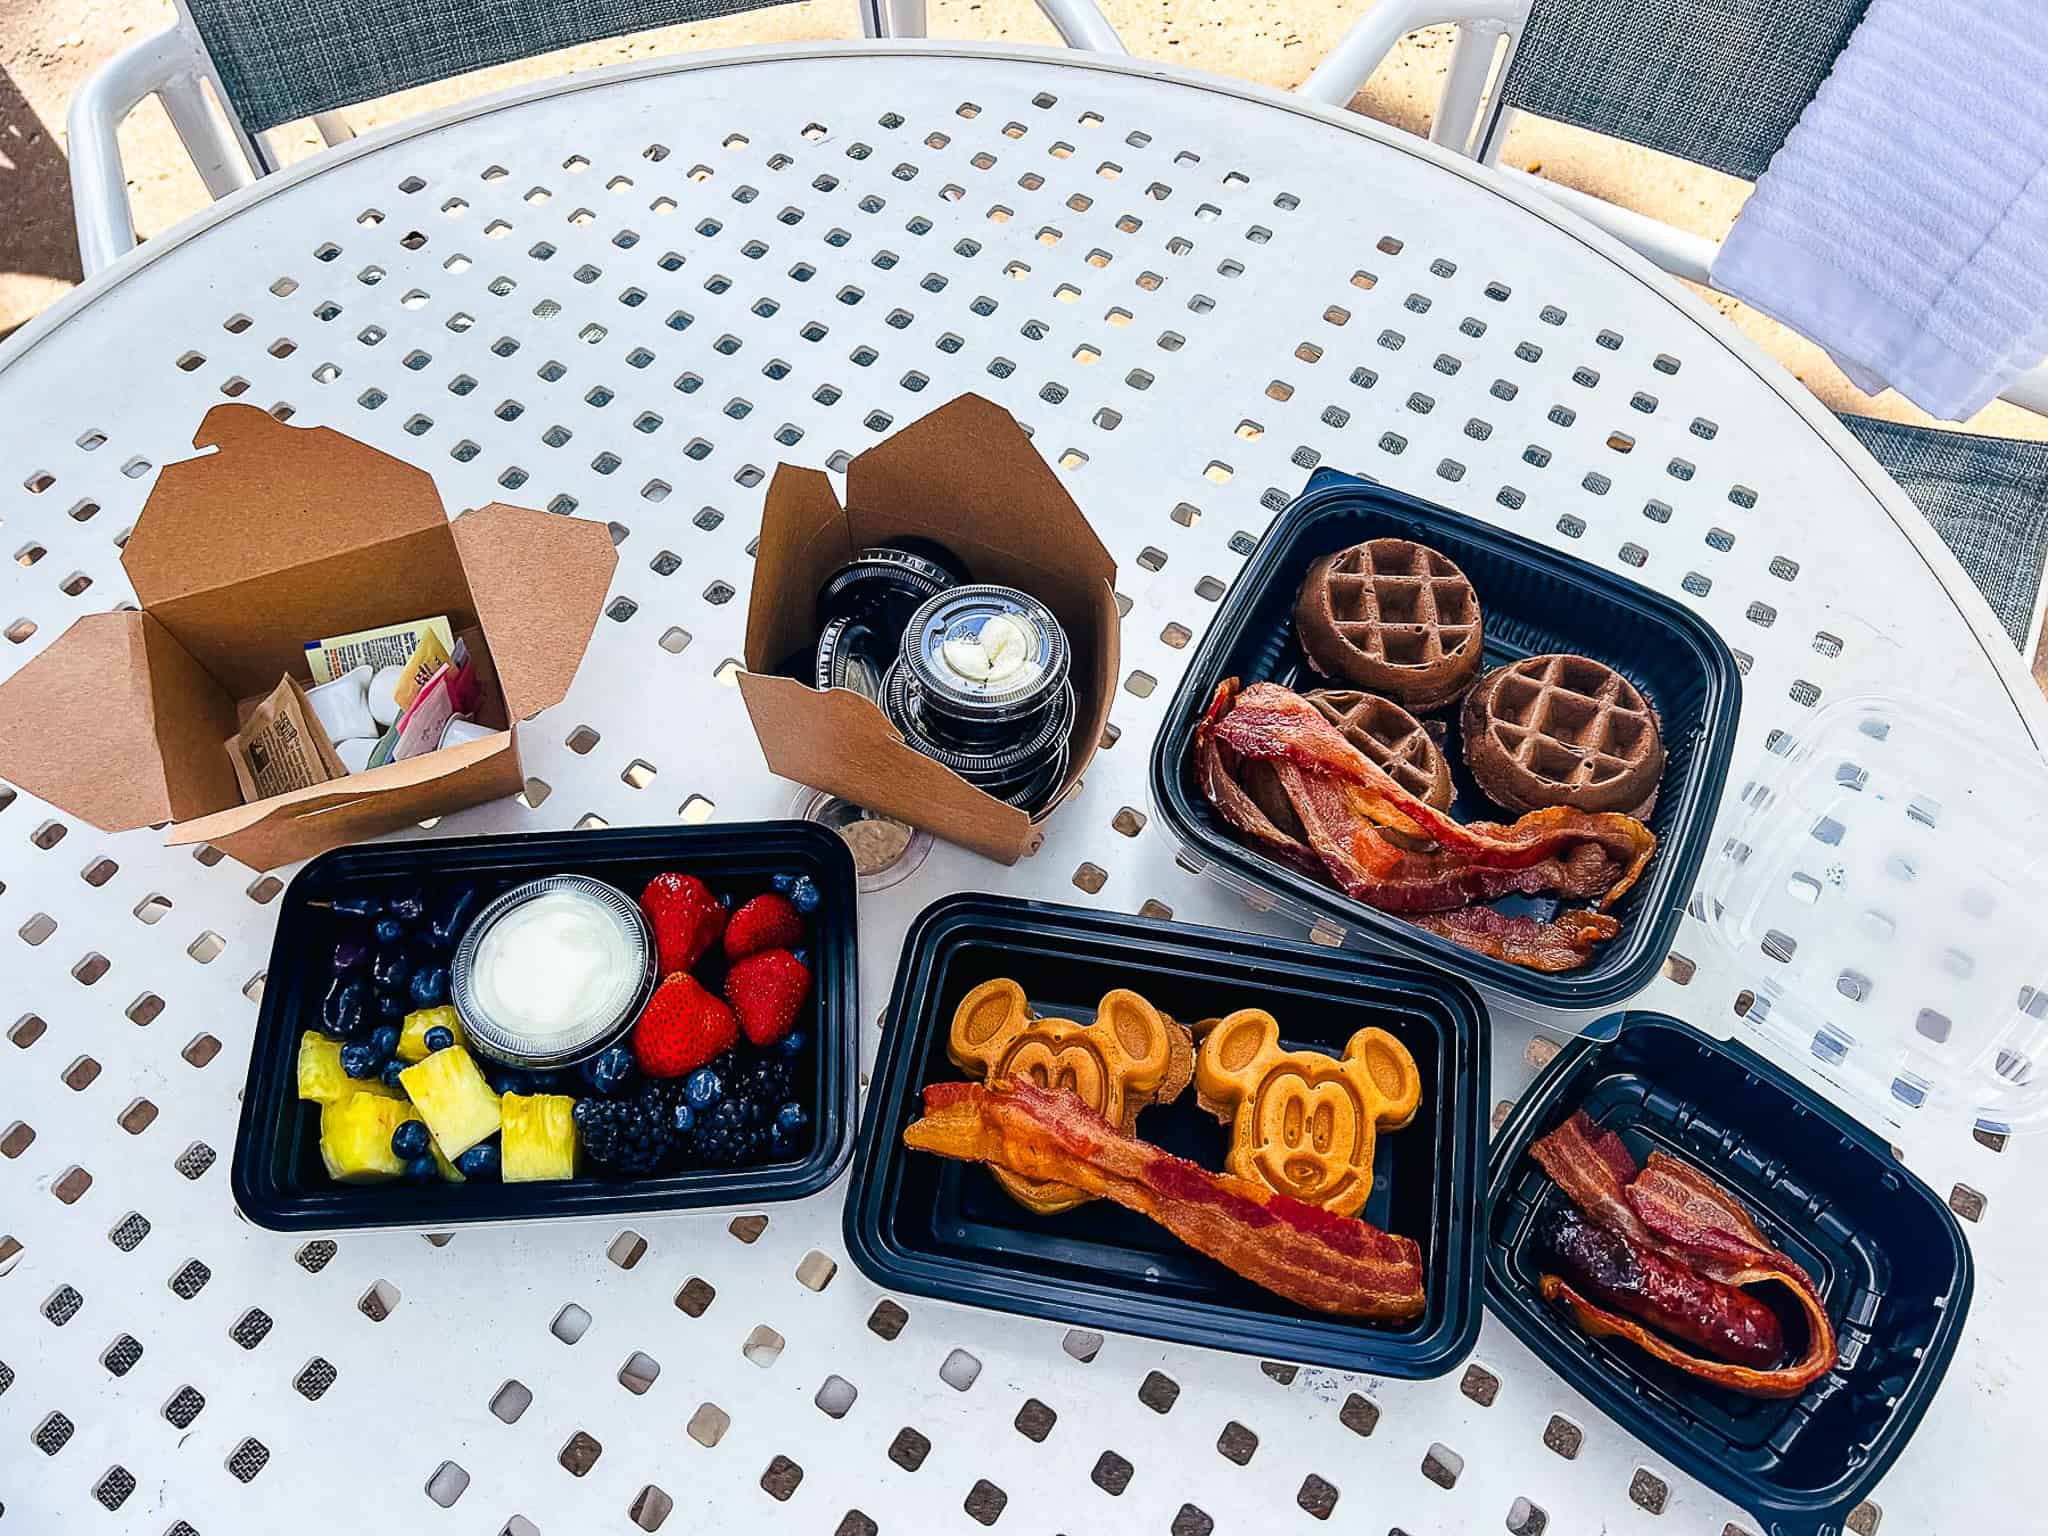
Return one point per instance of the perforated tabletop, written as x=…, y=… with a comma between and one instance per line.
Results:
x=627, y=298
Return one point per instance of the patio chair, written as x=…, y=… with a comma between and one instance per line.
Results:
x=267, y=64
x=1720, y=86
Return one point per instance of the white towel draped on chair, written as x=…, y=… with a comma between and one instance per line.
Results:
x=1904, y=224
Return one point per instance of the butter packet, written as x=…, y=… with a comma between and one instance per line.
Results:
x=391, y=645
x=282, y=746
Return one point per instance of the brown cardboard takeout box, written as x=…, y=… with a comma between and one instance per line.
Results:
x=280, y=536
x=967, y=476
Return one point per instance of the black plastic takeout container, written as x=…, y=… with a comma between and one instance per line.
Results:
x=1893, y=1269
x=278, y=1180
x=932, y=1226
x=1535, y=601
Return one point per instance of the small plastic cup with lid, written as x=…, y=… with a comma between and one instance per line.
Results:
x=986, y=663
x=553, y=971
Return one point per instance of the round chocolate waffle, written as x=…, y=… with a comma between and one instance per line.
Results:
x=1392, y=738
x=1394, y=617
x=1563, y=730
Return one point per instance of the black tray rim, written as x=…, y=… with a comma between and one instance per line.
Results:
x=1310, y=1339
x=1815, y=1512
x=1624, y=969
x=356, y=1209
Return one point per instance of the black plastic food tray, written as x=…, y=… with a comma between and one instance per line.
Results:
x=935, y=1227
x=278, y=1179
x=1888, y=1256
x=1535, y=601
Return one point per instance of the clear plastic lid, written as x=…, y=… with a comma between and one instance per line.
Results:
x=552, y=971
x=1884, y=881
x=986, y=653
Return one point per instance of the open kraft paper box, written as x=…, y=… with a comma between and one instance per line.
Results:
x=280, y=536
x=967, y=476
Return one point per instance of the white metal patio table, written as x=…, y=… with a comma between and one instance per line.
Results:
x=627, y=296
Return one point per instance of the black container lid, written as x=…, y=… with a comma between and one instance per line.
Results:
x=882, y=585
x=852, y=655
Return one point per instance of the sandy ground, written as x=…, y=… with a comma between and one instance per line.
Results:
x=48, y=47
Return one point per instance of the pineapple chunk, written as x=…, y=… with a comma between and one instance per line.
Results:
x=450, y=1174
x=321, y=1078
x=540, y=1138
x=355, y=1137
x=412, y=1036
x=453, y=1098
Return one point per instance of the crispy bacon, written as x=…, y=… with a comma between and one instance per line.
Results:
x=1335, y=1264
x=1562, y=943
x=1674, y=1212
x=1287, y=779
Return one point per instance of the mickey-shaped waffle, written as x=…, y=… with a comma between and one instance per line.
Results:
x=1303, y=1123
x=1130, y=1056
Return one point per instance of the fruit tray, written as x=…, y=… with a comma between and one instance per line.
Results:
x=278, y=1178
x=1534, y=601
x=934, y=1227
x=1887, y=1255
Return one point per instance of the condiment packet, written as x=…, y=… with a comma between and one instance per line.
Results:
x=427, y=658
x=386, y=646
x=282, y=746
x=444, y=696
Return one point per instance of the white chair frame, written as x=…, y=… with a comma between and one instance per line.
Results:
x=174, y=67
x=1471, y=120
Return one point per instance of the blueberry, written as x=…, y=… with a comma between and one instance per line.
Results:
x=544, y=1082
x=391, y=1005
x=791, y=1118
x=453, y=915
x=479, y=1162
x=684, y=1119
x=805, y=896
x=388, y=930
x=408, y=906
x=410, y=1140
x=792, y=1045
x=359, y=1058
x=345, y=1009
x=505, y=1080
x=609, y=1070
x=392, y=968
x=702, y=1088
x=784, y=883
x=429, y=986
x=421, y=1170
x=802, y=956
x=384, y=1041
x=391, y=1070
x=725, y=900
x=358, y=906
x=439, y=1038
x=351, y=953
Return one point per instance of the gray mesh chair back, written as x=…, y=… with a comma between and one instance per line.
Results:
x=279, y=60
x=1716, y=82
x=1985, y=496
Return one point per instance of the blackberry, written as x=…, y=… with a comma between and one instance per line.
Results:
x=731, y=1132
x=626, y=1136
x=764, y=1081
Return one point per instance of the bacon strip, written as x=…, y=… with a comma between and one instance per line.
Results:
x=1286, y=779
x=1563, y=943
x=1672, y=1209
x=1335, y=1264
x=1266, y=722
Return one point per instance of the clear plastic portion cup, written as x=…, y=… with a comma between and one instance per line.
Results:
x=1883, y=880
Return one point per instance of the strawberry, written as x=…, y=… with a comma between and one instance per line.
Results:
x=687, y=919
x=766, y=990
x=766, y=922
x=681, y=1028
